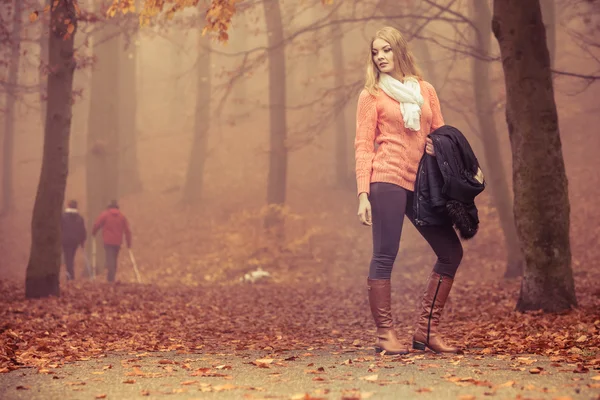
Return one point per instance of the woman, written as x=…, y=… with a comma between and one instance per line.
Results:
x=397, y=110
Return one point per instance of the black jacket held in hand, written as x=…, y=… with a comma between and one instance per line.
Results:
x=447, y=184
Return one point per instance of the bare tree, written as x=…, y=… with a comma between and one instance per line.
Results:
x=43, y=65
x=42, y=276
x=278, y=155
x=129, y=173
x=194, y=183
x=11, y=102
x=102, y=158
x=541, y=201
x=342, y=167
x=484, y=107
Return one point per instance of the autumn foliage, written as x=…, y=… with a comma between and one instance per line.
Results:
x=91, y=319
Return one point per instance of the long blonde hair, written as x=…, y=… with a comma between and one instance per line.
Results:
x=404, y=61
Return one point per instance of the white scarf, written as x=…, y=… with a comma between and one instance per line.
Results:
x=408, y=94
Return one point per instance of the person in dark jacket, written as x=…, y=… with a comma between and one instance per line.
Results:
x=397, y=111
x=114, y=226
x=73, y=236
x=447, y=184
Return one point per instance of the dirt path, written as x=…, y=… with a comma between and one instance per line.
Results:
x=335, y=374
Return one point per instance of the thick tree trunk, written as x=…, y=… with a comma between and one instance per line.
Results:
x=42, y=277
x=11, y=102
x=495, y=173
x=541, y=203
x=129, y=174
x=278, y=155
x=194, y=184
x=102, y=166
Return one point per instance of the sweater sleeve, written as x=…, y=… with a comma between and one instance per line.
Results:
x=366, y=126
x=437, y=119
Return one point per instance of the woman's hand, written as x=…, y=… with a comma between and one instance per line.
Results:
x=429, y=147
x=364, y=209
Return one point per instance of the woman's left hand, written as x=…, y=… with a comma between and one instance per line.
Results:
x=429, y=147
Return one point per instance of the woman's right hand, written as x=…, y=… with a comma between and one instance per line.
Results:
x=364, y=209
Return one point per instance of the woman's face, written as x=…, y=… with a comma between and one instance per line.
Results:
x=383, y=56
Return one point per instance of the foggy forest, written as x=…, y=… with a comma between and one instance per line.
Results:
x=224, y=133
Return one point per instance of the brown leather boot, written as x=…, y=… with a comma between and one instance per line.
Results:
x=380, y=300
x=434, y=298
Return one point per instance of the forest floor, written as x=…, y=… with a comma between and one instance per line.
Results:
x=302, y=340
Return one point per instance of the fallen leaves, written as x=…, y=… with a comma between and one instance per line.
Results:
x=208, y=372
x=263, y=363
x=91, y=319
x=424, y=390
x=581, y=369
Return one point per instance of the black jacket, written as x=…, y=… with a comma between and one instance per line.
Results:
x=73, y=228
x=446, y=185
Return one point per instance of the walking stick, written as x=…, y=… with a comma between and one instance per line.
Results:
x=93, y=258
x=135, y=268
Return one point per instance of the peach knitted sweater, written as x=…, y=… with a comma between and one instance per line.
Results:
x=399, y=150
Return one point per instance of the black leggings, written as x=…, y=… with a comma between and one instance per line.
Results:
x=389, y=204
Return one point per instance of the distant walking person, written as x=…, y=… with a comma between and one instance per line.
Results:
x=73, y=236
x=114, y=225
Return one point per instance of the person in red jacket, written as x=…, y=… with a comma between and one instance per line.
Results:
x=114, y=225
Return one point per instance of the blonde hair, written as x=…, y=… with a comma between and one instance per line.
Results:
x=404, y=61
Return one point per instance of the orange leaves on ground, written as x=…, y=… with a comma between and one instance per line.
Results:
x=263, y=363
x=91, y=319
x=208, y=372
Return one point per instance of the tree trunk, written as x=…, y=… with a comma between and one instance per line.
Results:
x=102, y=169
x=549, y=17
x=11, y=103
x=541, y=204
x=78, y=146
x=194, y=184
x=42, y=71
x=129, y=174
x=176, y=75
x=495, y=173
x=343, y=177
x=276, y=186
x=42, y=276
